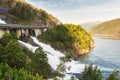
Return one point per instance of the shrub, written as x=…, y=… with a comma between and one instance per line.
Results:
x=91, y=73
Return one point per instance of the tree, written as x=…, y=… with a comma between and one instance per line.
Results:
x=62, y=67
x=7, y=37
x=1, y=52
x=8, y=73
x=40, y=63
x=113, y=76
x=13, y=54
x=72, y=78
x=55, y=78
x=91, y=73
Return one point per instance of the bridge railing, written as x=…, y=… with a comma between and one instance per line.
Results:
x=20, y=26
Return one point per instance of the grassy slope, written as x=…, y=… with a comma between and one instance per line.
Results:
x=108, y=28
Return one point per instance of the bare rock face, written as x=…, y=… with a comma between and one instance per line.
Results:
x=79, y=51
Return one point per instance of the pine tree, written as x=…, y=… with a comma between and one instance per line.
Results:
x=114, y=76
x=14, y=55
x=91, y=73
x=40, y=63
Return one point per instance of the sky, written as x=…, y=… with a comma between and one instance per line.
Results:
x=80, y=11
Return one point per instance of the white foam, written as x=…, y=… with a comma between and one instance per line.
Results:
x=2, y=22
x=52, y=54
x=29, y=46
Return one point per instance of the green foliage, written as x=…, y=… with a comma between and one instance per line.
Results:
x=79, y=35
x=114, y=76
x=40, y=63
x=13, y=55
x=65, y=59
x=19, y=57
x=7, y=73
x=22, y=11
x=58, y=33
x=91, y=73
x=55, y=79
x=7, y=37
x=58, y=37
x=62, y=67
x=11, y=52
x=72, y=78
x=64, y=37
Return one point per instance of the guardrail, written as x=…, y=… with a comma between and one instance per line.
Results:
x=20, y=26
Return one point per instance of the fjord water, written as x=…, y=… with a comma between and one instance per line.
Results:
x=106, y=54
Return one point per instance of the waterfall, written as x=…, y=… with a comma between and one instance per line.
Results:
x=54, y=55
x=29, y=46
x=2, y=22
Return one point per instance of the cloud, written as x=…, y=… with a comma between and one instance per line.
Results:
x=90, y=13
x=77, y=11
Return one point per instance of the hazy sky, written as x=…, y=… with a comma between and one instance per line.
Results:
x=79, y=11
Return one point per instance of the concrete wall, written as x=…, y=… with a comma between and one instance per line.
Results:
x=38, y=32
x=2, y=32
x=23, y=31
x=18, y=33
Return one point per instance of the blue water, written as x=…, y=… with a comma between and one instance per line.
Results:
x=106, y=54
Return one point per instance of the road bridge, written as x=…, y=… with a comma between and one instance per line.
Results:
x=22, y=30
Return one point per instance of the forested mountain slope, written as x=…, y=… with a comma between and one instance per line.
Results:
x=20, y=12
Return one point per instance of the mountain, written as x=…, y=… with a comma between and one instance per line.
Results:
x=90, y=25
x=108, y=28
x=20, y=12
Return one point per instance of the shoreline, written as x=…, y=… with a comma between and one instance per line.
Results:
x=109, y=37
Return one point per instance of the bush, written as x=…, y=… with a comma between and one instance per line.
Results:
x=91, y=73
x=13, y=55
x=7, y=73
x=114, y=76
x=40, y=63
x=7, y=37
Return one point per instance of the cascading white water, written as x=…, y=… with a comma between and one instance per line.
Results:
x=2, y=22
x=54, y=55
x=29, y=46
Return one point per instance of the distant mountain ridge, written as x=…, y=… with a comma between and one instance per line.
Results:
x=108, y=28
x=90, y=25
x=20, y=12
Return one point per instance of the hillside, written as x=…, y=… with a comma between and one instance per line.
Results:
x=108, y=28
x=90, y=25
x=69, y=38
x=20, y=12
